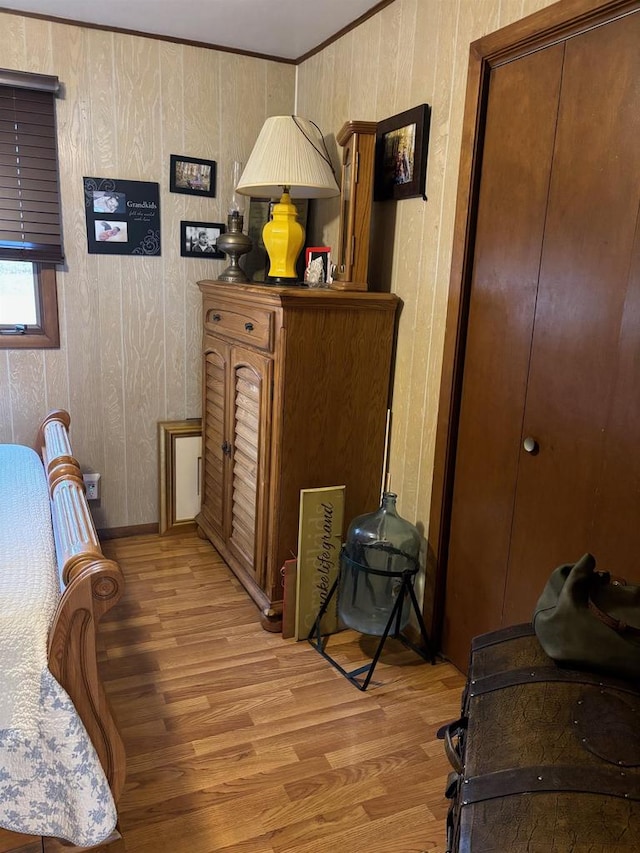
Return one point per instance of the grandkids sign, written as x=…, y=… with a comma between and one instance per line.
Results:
x=123, y=217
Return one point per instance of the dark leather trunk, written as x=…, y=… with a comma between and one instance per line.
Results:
x=546, y=759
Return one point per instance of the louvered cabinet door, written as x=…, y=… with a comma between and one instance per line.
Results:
x=250, y=376
x=214, y=431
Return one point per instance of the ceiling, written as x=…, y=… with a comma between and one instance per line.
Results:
x=287, y=29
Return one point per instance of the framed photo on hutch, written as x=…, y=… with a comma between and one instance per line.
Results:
x=317, y=270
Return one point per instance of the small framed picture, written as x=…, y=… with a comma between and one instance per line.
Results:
x=110, y=231
x=198, y=239
x=180, y=451
x=402, y=142
x=192, y=176
x=109, y=202
x=317, y=268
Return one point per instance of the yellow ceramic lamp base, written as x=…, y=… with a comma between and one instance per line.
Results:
x=283, y=237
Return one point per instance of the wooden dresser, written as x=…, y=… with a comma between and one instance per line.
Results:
x=295, y=395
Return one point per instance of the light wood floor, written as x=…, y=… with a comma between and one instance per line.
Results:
x=242, y=742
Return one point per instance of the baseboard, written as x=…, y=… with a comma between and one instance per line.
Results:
x=123, y=532
x=179, y=528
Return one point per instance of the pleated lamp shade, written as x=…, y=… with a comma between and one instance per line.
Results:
x=289, y=152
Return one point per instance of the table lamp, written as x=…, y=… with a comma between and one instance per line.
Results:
x=289, y=160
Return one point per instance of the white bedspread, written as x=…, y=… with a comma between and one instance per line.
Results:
x=51, y=780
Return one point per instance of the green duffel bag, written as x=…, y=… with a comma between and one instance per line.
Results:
x=590, y=620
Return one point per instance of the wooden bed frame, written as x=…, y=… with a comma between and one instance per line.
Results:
x=93, y=585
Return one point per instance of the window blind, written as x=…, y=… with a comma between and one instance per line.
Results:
x=30, y=222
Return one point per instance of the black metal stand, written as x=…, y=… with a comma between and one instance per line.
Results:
x=427, y=653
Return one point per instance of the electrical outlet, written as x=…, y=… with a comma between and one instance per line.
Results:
x=92, y=486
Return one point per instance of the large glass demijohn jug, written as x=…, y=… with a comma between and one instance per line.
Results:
x=379, y=547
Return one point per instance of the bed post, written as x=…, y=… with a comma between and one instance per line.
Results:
x=92, y=585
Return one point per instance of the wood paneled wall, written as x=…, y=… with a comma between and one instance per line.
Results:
x=412, y=52
x=130, y=326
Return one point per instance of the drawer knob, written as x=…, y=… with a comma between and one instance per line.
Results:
x=216, y=318
x=249, y=327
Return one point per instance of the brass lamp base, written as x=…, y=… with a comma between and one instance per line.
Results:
x=234, y=244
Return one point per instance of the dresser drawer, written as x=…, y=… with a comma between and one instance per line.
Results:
x=245, y=324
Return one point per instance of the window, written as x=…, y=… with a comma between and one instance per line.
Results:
x=30, y=226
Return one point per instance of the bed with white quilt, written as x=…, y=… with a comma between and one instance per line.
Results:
x=61, y=757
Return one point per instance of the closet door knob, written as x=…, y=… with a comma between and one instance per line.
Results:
x=530, y=445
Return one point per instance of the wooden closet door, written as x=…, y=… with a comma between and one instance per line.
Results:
x=518, y=152
x=553, y=346
x=581, y=491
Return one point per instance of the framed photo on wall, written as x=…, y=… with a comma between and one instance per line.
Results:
x=402, y=143
x=192, y=176
x=198, y=239
x=122, y=217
